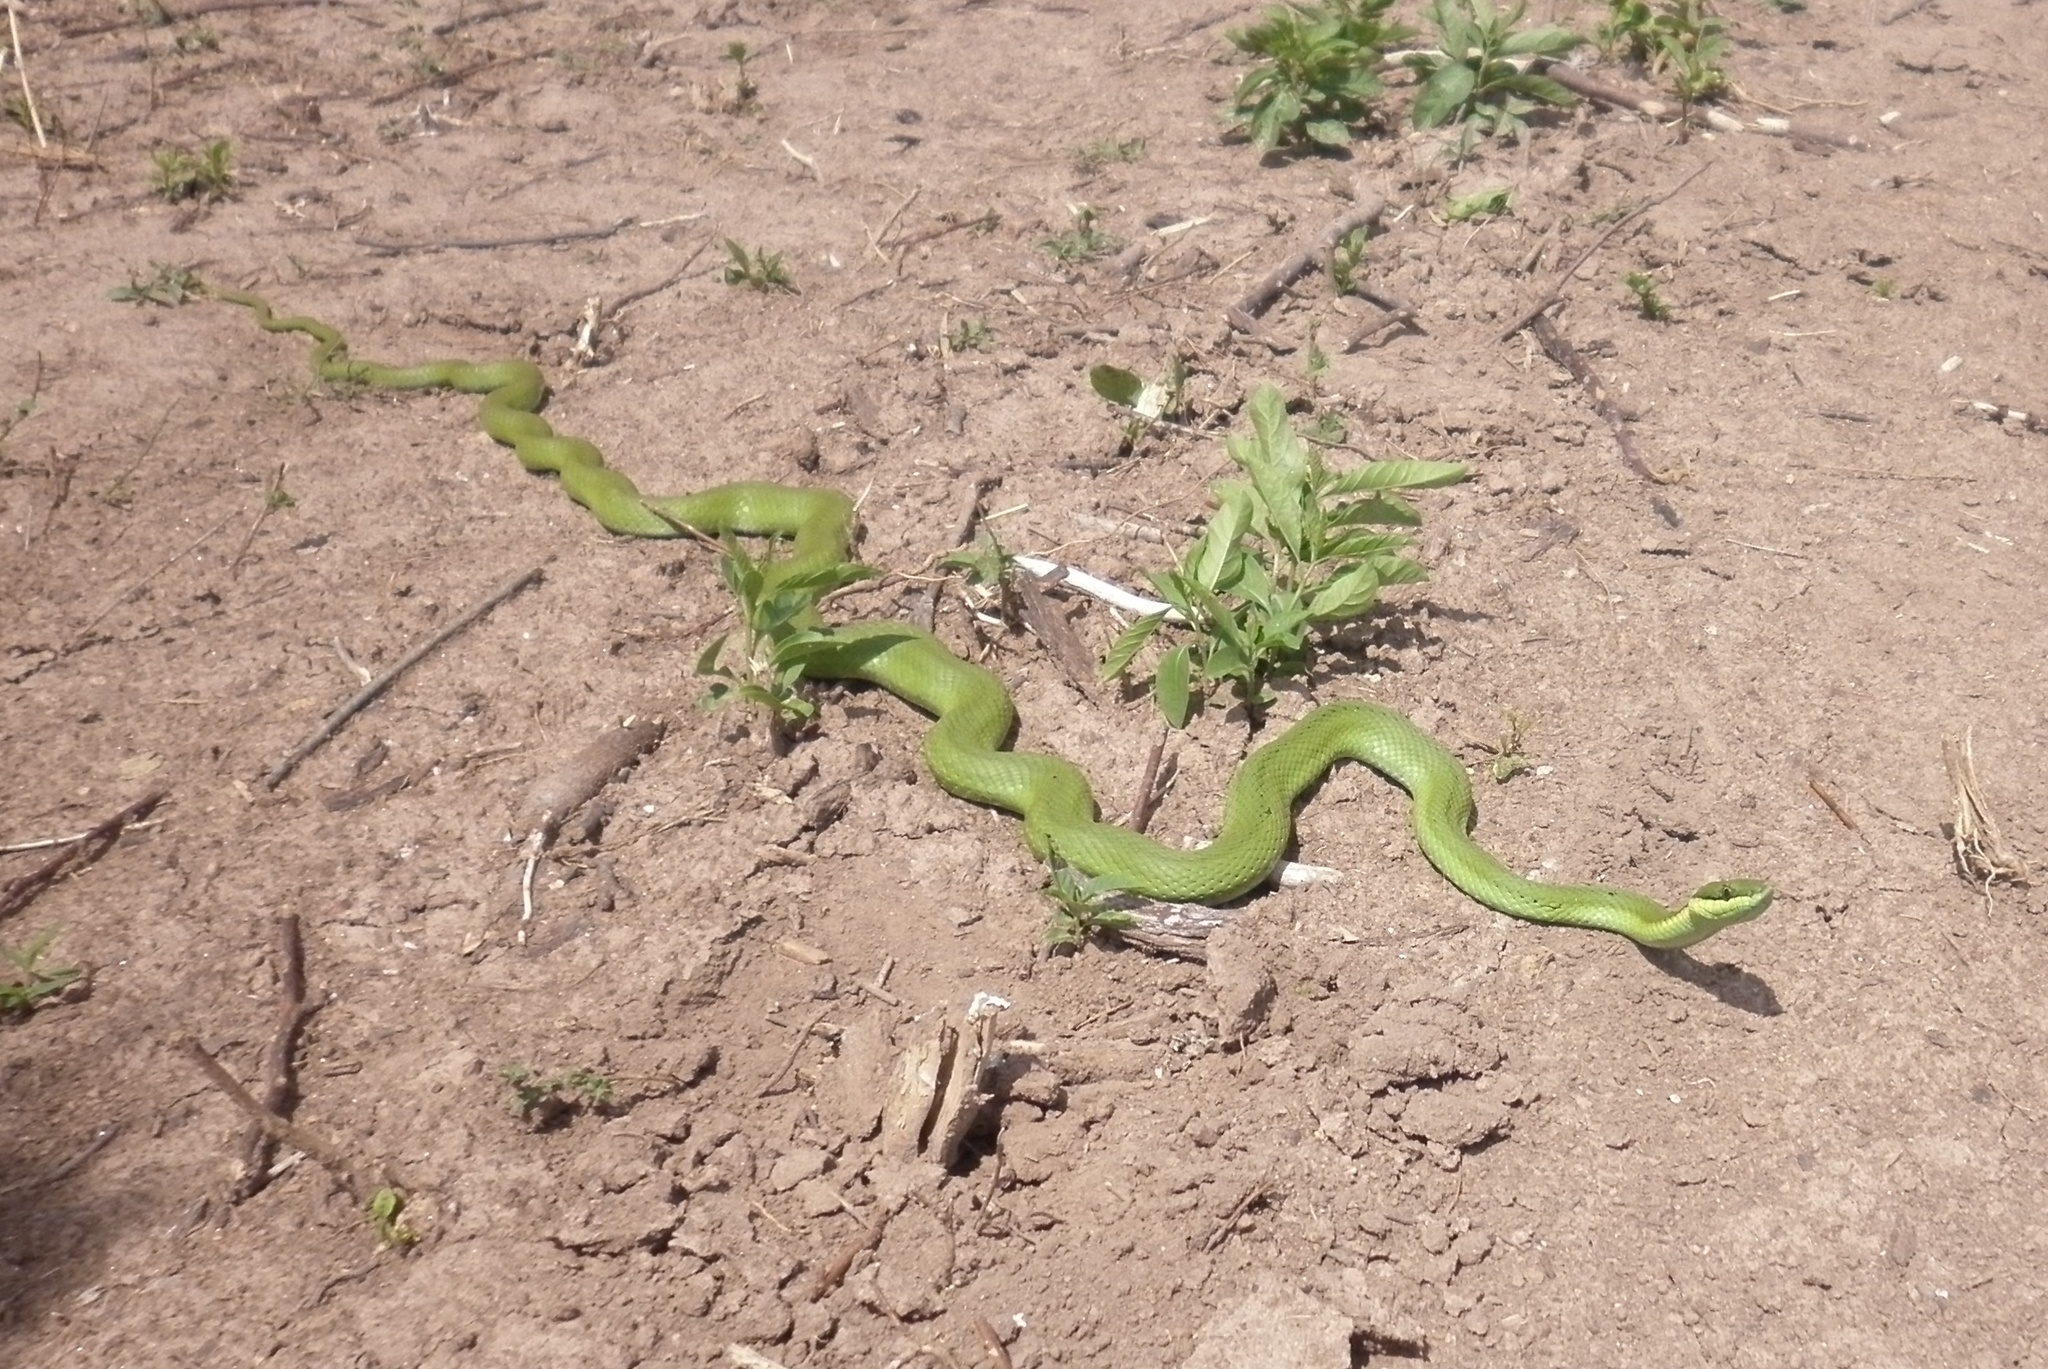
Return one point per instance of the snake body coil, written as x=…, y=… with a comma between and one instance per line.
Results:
x=966, y=747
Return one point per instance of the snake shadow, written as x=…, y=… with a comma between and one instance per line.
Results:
x=1733, y=985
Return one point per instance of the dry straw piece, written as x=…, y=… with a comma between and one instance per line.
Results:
x=1981, y=855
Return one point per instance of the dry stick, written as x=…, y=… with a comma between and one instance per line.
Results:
x=280, y=1092
x=457, y=77
x=85, y=632
x=875, y=238
x=99, y=1142
x=1556, y=290
x=834, y=1273
x=328, y=1155
x=1834, y=804
x=1695, y=116
x=505, y=12
x=1177, y=929
x=339, y=716
x=1147, y=797
x=789, y=1062
x=1244, y=314
x=89, y=847
x=1569, y=357
x=627, y=301
x=270, y=492
x=963, y=530
x=493, y=244
x=186, y=12
x=1253, y=1196
x=21, y=67
x=985, y=222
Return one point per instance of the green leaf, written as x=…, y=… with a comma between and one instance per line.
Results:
x=810, y=584
x=1128, y=643
x=1224, y=627
x=1443, y=96
x=1209, y=557
x=707, y=661
x=1543, y=42
x=1540, y=88
x=1118, y=386
x=1398, y=475
x=1490, y=202
x=1388, y=509
x=1329, y=132
x=1361, y=545
x=1346, y=596
x=1398, y=570
x=1171, y=686
x=1277, y=462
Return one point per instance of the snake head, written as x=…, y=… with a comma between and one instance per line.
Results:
x=1723, y=904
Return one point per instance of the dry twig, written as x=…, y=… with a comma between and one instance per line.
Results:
x=99, y=1142
x=335, y=720
x=85, y=633
x=1244, y=314
x=493, y=244
x=330, y=1156
x=963, y=532
x=834, y=1272
x=1564, y=354
x=1147, y=797
x=281, y=1087
x=88, y=847
x=1556, y=290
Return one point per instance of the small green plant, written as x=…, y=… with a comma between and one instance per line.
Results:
x=1105, y=151
x=199, y=38
x=168, y=285
x=17, y=413
x=545, y=1099
x=1489, y=204
x=1315, y=360
x=759, y=269
x=1291, y=550
x=1479, y=77
x=17, y=110
x=1316, y=74
x=1147, y=401
x=278, y=497
x=1083, y=242
x=775, y=613
x=1082, y=908
x=1679, y=38
x=1648, y=303
x=970, y=335
x=207, y=175
x=424, y=64
x=1884, y=287
x=386, y=1210
x=28, y=981
x=1346, y=259
x=743, y=87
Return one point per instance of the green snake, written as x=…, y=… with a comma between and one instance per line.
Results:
x=966, y=748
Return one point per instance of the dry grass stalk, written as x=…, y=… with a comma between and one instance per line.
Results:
x=1981, y=854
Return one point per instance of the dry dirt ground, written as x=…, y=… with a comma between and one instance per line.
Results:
x=1815, y=1140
